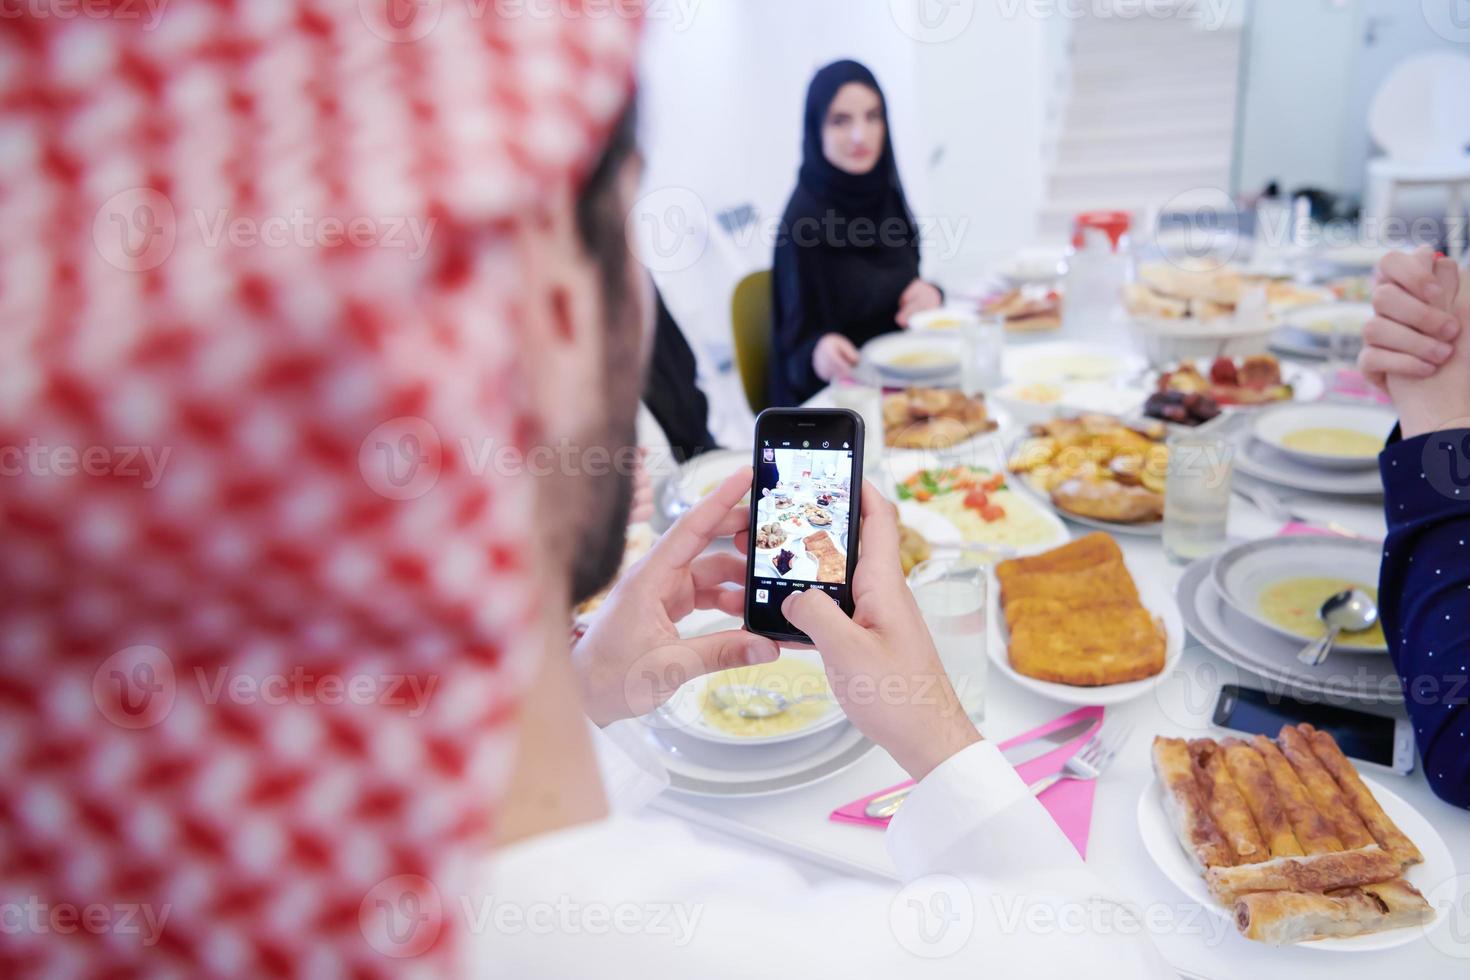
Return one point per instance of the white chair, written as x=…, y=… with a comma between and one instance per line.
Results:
x=1420, y=118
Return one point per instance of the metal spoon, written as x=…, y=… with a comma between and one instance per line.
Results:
x=757, y=703
x=1353, y=611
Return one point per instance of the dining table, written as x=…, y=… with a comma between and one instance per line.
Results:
x=1200, y=943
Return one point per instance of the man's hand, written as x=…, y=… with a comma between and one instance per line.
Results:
x=632, y=659
x=1414, y=328
x=882, y=663
x=1442, y=399
x=919, y=297
x=835, y=358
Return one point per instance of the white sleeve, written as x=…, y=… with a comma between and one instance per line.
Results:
x=994, y=890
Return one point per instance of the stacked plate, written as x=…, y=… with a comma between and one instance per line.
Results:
x=1311, y=331
x=1234, y=604
x=1327, y=448
x=705, y=757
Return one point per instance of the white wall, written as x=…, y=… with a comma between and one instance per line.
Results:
x=723, y=91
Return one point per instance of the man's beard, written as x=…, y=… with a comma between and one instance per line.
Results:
x=602, y=521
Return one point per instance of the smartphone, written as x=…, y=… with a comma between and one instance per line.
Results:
x=1375, y=739
x=805, y=509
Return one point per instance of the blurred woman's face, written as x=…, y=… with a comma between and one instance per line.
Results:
x=854, y=133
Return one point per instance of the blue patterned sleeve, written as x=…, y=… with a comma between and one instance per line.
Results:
x=1425, y=598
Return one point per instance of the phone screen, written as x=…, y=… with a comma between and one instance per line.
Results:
x=1359, y=734
x=804, y=512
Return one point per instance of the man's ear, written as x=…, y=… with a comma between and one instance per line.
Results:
x=564, y=322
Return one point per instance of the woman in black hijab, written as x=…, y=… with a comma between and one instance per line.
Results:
x=847, y=259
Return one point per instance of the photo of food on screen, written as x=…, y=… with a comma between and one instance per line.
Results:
x=802, y=502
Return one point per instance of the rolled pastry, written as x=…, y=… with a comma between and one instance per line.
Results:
x=1249, y=771
x=1279, y=918
x=1313, y=873
x=1312, y=830
x=1184, y=802
x=1324, y=790
x=1227, y=805
x=1384, y=830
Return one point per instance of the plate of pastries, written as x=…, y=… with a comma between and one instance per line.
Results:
x=1027, y=309
x=934, y=418
x=1074, y=625
x=1098, y=470
x=1290, y=842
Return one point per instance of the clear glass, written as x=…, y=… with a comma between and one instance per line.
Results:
x=951, y=594
x=982, y=357
x=867, y=400
x=1197, y=495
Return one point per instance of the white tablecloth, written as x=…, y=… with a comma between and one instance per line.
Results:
x=1195, y=941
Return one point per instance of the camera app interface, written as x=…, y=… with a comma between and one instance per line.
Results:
x=803, y=494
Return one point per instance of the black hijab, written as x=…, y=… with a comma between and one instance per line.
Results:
x=876, y=195
x=848, y=247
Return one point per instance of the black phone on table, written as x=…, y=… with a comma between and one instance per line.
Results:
x=805, y=512
x=1376, y=739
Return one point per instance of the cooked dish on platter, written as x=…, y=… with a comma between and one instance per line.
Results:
x=913, y=548
x=1288, y=836
x=1334, y=441
x=789, y=677
x=1186, y=396
x=1075, y=617
x=831, y=563
x=933, y=418
x=1294, y=604
x=1098, y=467
x=981, y=505
x=1027, y=310
x=1168, y=291
x=770, y=536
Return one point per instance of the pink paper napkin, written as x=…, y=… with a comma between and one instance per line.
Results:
x=1069, y=802
x=1350, y=383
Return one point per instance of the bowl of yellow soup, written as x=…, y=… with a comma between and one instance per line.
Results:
x=1281, y=584
x=1327, y=435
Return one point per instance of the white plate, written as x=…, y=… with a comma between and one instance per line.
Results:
x=1307, y=385
x=1069, y=361
x=707, y=769
x=1258, y=460
x=882, y=352
x=901, y=469
x=1152, y=529
x=1241, y=574
x=1274, y=425
x=695, y=478
x=1237, y=640
x=1156, y=599
x=1034, y=266
x=1307, y=331
x=1162, y=844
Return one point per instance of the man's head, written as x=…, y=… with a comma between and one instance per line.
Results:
x=586, y=351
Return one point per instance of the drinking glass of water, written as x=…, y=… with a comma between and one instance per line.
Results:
x=982, y=352
x=951, y=594
x=1197, y=495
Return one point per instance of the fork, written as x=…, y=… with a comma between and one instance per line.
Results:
x=1090, y=761
x=1276, y=509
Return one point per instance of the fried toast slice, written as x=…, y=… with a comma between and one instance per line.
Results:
x=1103, y=644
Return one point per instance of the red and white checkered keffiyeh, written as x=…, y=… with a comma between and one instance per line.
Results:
x=262, y=628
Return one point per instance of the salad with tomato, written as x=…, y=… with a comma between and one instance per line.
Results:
x=976, y=483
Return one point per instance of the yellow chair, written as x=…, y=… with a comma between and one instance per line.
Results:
x=750, y=314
